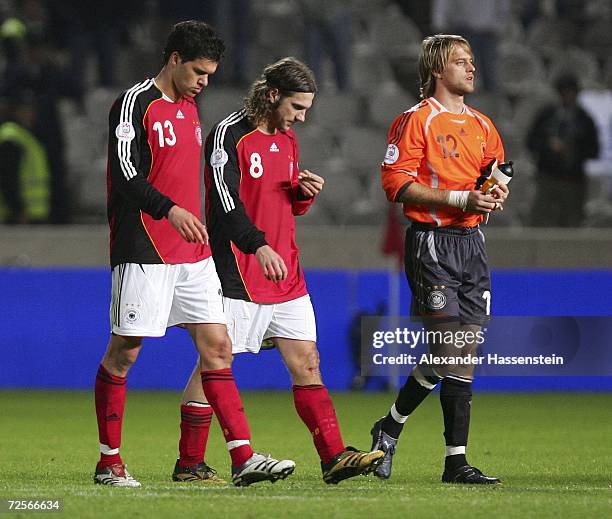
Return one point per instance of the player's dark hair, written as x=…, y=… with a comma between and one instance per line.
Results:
x=288, y=76
x=192, y=40
x=435, y=53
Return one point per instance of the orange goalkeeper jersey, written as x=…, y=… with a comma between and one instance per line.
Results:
x=431, y=146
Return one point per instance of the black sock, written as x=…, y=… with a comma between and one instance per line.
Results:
x=409, y=398
x=456, y=401
x=455, y=461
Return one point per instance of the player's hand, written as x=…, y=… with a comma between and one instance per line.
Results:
x=309, y=183
x=480, y=203
x=188, y=225
x=500, y=192
x=271, y=263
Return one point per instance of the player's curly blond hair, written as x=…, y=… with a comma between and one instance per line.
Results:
x=288, y=76
x=435, y=52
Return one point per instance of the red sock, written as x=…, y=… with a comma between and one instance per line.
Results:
x=195, y=424
x=110, y=392
x=222, y=394
x=315, y=408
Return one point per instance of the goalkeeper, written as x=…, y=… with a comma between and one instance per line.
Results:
x=435, y=154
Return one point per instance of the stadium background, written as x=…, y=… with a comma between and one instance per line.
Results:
x=54, y=279
x=551, y=449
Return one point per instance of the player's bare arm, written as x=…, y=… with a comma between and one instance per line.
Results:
x=188, y=225
x=271, y=263
x=474, y=200
x=310, y=183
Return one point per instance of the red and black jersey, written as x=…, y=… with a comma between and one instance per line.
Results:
x=154, y=149
x=252, y=197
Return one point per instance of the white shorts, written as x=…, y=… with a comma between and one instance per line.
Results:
x=147, y=299
x=248, y=324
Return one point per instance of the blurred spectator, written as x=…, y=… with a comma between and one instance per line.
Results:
x=36, y=71
x=233, y=21
x=24, y=171
x=562, y=138
x=12, y=33
x=328, y=30
x=81, y=29
x=481, y=22
x=419, y=11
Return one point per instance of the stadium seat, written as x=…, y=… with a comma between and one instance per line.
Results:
x=392, y=31
x=527, y=107
x=98, y=103
x=317, y=146
x=276, y=27
x=607, y=74
x=547, y=35
x=335, y=111
x=364, y=148
x=494, y=106
x=216, y=103
x=513, y=31
x=340, y=194
x=520, y=70
x=598, y=38
x=522, y=192
x=404, y=65
x=579, y=62
x=318, y=214
x=370, y=72
x=384, y=108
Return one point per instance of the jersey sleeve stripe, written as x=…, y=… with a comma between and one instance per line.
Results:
x=219, y=138
x=124, y=147
x=399, y=129
x=121, y=145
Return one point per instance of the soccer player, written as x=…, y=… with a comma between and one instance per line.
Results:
x=162, y=271
x=254, y=189
x=436, y=151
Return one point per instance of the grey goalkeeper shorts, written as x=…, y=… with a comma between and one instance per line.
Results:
x=448, y=274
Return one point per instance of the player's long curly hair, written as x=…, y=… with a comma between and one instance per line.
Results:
x=435, y=52
x=288, y=76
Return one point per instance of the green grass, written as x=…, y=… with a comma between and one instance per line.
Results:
x=553, y=452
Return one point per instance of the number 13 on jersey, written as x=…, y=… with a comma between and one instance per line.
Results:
x=164, y=139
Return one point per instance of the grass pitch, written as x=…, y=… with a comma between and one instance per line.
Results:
x=553, y=452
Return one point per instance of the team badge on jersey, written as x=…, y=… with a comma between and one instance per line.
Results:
x=392, y=154
x=125, y=131
x=436, y=300
x=218, y=158
x=198, y=134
